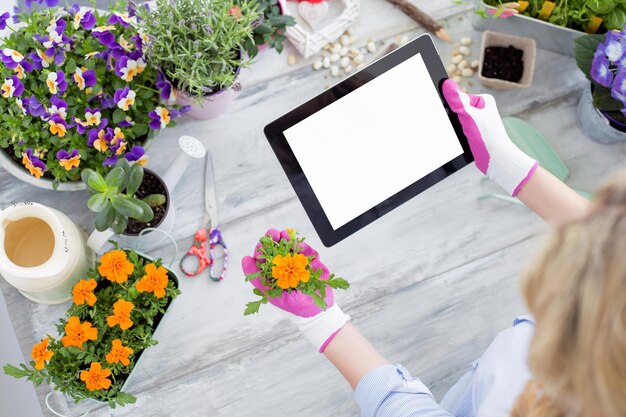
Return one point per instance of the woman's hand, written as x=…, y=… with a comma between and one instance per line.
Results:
x=319, y=326
x=494, y=153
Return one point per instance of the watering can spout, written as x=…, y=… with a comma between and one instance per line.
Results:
x=192, y=149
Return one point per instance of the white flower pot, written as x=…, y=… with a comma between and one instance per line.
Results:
x=594, y=125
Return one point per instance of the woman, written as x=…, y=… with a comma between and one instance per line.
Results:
x=571, y=363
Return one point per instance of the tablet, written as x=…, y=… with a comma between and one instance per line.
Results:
x=371, y=142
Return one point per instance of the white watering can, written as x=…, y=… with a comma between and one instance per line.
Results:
x=43, y=253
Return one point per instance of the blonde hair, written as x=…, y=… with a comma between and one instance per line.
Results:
x=576, y=289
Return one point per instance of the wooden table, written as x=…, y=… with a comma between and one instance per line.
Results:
x=432, y=282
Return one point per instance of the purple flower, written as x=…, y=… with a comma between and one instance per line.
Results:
x=58, y=106
x=49, y=3
x=600, y=71
x=84, y=78
x=111, y=160
x=11, y=57
x=34, y=107
x=123, y=19
x=137, y=154
x=127, y=122
x=68, y=160
x=3, y=20
x=104, y=36
x=56, y=82
x=100, y=139
x=12, y=87
x=164, y=86
x=32, y=163
x=106, y=101
x=124, y=98
x=160, y=118
x=614, y=46
x=618, y=89
x=85, y=18
x=16, y=12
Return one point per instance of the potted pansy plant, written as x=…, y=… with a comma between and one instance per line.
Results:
x=115, y=312
x=77, y=93
x=198, y=47
x=602, y=108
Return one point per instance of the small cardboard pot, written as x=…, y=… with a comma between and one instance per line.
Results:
x=527, y=45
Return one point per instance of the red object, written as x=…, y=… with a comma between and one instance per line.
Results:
x=235, y=11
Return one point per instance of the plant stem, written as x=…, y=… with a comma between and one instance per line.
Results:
x=148, y=88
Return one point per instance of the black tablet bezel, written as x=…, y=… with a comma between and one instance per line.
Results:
x=275, y=136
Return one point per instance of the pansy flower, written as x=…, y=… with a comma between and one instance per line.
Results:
x=124, y=97
x=92, y=54
x=56, y=82
x=55, y=34
x=127, y=46
x=41, y=60
x=110, y=161
x=85, y=18
x=16, y=15
x=20, y=105
x=49, y=3
x=600, y=71
x=128, y=68
x=22, y=68
x=618, y=89
x=11, y=57
x=93, y=117
x=12, y=87
x=123, y=19
x=165, y=87
x=127, y=122
x=34, y=107
x=33, y=164
x=99, y=139
x=104, y=36
x=58, y=126
x=84, y=77
x=58, y=106
x=3, y=20
x=68, y=160
x=137, y=154
x=160, y=118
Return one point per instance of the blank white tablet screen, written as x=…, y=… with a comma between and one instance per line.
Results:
x=374, y=142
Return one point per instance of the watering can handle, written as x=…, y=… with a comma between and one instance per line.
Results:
x=97, y=239
x=191, y=148
x=169, y=236
x=56, y=413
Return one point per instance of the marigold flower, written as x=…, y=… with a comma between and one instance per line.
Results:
x=115, y=267
x=77, y=333
x=290, y=270
x=154, y=281
x=96, y=378
x=83, y=292
x=121, y=314
x=119, y=353
x=41, y=354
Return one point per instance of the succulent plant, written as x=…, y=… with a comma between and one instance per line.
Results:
x=113, y=197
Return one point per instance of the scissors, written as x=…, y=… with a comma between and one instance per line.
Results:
x=210, y=226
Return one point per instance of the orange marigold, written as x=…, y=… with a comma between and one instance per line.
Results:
x=290, y=270
x=121, y=314
x=77, y=333
x=119, y=353
x=115, y=267
x=83, y=292
x=41, y=354
x=96, y=377
x=154, y=281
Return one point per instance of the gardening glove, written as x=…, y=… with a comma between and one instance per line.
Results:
x=494, y=153
x=319, y=326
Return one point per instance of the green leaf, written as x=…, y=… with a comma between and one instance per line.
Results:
x=115, y=178
x=263, y=28
x=118, y=115
x=584, y=49
x=70, y=66
x=616, y=20
x=105, y=218
x=252, y=307
x=126, y=206
x=319, y=301
x=154, y=200
x=134, y=179
x=119, y=223
x=147, y=213
x=139, y=129
x=122, y=399
x=16, y=372
x=603, y=100
x=97, y=202
x=84, y=175
x=95, y=181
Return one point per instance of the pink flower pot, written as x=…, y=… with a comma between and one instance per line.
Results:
x=213, y=106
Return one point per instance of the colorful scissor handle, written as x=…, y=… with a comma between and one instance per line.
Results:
x=198, y=249
x=216, y=239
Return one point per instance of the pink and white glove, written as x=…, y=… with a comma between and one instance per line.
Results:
x=494, y=153
x=319, y=326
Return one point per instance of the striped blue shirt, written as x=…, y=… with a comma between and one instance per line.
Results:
x=488, y=389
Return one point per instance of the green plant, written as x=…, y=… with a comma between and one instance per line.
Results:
x=109, y=324
x=76, y=90
x=578, y=14
x=271, y=30
x=198, y=44
x=113, y=198
x=298, y=275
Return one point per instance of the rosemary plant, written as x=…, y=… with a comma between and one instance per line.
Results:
x=198, y=44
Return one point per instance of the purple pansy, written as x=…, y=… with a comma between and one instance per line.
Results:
x=34, y=165
x=137, y=154
x=58, y=106
x=12, y=87
x=84, y=18
x=111, y=160
x=106, y=101
x=16, y=15
x=600, y=71
x=68, y=160
x=49, y=3
x=34, y=107
x=105, y=37
x=11, y=57
x=124, y=98
x=84, y=78
x=164, y=86
x=123, y=19
x=127, y=122
x=56, y=82
x=3, y=20
x=618, y=89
